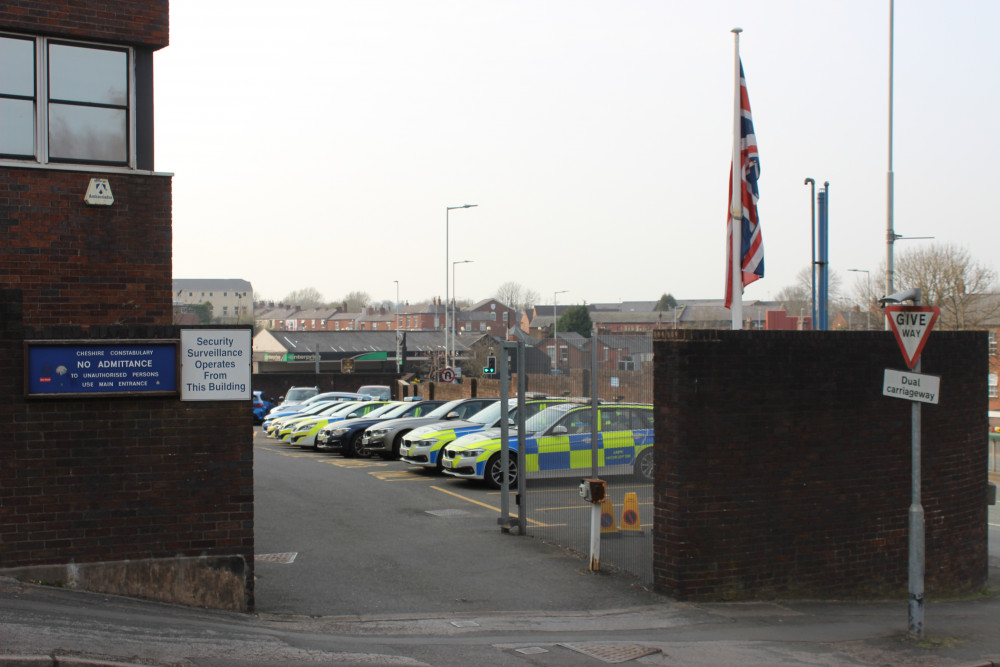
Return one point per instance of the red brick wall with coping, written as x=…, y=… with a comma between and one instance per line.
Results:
x=782, y=471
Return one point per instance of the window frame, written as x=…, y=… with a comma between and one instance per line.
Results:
x=42, y=106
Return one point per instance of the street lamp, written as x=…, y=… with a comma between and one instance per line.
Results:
x=454, y=314
x=447, y=211
x=868, y=306
x=555, y=325
x=399, y=362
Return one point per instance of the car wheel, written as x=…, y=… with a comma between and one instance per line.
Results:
x=644, y=465
x=357, y=448
x=494, y=472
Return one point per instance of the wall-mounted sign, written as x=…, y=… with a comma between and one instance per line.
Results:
x=99, y=193
x=215, y=364
x=67, y=368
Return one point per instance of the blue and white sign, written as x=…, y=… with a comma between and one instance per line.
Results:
x=101, y=368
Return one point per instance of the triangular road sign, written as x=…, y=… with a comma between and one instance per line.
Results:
x=912, y=325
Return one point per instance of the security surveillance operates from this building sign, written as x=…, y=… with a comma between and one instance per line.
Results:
x=215, y=364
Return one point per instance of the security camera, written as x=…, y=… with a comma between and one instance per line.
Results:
x=912, y=294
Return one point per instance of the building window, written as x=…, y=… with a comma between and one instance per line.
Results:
x=505, y=316
x=64, y=101
x=992, y=344
x=225, y=311
x=493, y=316
x=993, y=393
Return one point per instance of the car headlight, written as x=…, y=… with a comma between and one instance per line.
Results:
x=378, y=432
x=469, y=453
x=337, y=432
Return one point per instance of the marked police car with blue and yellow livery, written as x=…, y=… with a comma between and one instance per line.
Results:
x=558, y=445
x=422, y=446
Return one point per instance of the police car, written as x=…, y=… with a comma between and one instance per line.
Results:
x=422, y=446
x=558, y=445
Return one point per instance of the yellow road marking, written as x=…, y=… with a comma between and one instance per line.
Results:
x=490, y=507
x=396, y=476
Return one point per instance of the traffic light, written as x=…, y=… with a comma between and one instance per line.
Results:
x=491, y=365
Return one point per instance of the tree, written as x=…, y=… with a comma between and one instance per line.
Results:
x=797, y=298
x=576, y=318
x=308, y=297
x=666, y=302
x=203, y=311
x=356, y=301
x=948, y=277
x=516, y=296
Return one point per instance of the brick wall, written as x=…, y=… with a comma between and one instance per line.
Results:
x=781, y=470
x=137, y=22
x=81, y=265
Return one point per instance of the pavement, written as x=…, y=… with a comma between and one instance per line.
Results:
x=42, y=625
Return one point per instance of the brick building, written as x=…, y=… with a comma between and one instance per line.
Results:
x=128, y=493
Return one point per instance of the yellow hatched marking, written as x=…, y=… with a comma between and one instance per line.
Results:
x=396, y=476
x=294, y=455
x=490, y=507
x=355, y=464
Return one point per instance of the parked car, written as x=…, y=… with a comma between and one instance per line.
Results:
x=376, y=391
x=272, y=423
x=347, y=436
x=301, y=425
x=326, y=397
x=296, y=395
x=261, y=406
x=304, y=432
x=554, y=438
x=422, y=446
x=385, y=437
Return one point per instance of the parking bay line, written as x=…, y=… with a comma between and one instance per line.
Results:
x=495, y=509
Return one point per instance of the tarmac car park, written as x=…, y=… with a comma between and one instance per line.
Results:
x=297, y=429
x=422, y=446
x=558, y=445
x=385, y=438
x=346, y=436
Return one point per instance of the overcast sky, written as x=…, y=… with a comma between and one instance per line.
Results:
x=317, y=143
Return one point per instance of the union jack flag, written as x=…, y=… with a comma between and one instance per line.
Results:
x=752, y=245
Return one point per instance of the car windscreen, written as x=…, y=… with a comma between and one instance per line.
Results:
x=487, y=416
x=300, y=394
x=382, y=410
x=313, y=409
x=340, y=407
x=442, y=411
x=546, y=417
x=400, y=410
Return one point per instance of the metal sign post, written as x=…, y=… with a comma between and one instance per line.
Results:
x=912, y=326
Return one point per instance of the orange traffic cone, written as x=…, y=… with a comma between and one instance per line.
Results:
x=630, y=515
x=608, y=527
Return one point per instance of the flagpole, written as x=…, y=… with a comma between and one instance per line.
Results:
x=736, y=197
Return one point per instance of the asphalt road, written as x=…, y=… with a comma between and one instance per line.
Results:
x=338, y=536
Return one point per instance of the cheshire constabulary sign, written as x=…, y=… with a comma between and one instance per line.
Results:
x=67, y=368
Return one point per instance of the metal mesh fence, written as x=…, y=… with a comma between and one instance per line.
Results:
x=563, y=452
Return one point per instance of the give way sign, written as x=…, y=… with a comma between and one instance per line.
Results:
x=912, y=325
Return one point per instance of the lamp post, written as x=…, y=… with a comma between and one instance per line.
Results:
x=811, y=182
x=399, y=362
x=868, y=305
x=454, y=314
x=447, y=212
x=555, y=326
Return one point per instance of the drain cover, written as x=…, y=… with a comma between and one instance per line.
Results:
x=612, y=652
x=285, y=559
